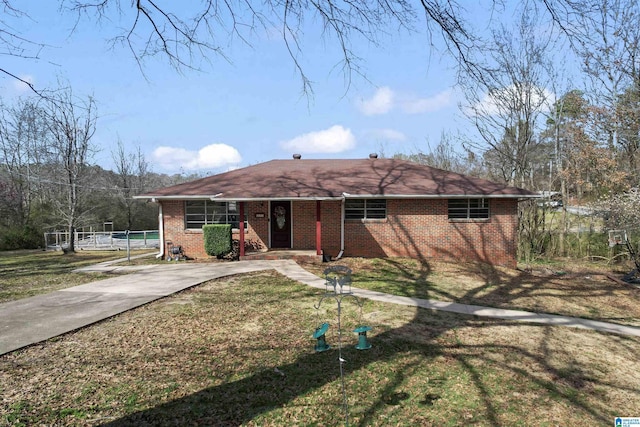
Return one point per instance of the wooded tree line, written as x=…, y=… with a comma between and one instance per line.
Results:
x=49, y=181
x=538, y=127
x=552, y=93
x=546, y=123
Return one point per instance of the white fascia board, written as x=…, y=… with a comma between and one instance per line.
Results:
x=275, y=199
x=235, y=199
x=440, y=196
x=174, y=197
x=345, y=196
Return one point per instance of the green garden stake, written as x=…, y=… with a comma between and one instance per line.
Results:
x=319, y=335
x=363, y=344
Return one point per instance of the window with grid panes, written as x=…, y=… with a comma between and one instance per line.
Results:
x=365, y=208
x=468, y=208
x=201, y=212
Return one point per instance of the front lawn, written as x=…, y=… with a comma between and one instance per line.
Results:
x=571, y=288
x=238, y=351
x=28, y=273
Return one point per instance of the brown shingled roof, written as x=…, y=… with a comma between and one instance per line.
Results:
x=326, y=179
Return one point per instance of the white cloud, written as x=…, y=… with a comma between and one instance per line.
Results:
x=211, y=156
x=386, y=100
x=386, y=134
x=426, y=105
x=380, y=103
x=19, y=86
x=500, y=100
x=336, y=139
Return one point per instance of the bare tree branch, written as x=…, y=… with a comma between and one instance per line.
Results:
x=188, y=34
x=72, y=124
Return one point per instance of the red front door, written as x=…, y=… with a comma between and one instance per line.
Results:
x=281, y=224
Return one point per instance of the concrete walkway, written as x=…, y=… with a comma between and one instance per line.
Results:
x=31, y=320
x=296, y=272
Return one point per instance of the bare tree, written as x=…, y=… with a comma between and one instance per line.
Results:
x=14, y=44
x=563, y=127
x=23, y=152
x=190, y=35
x=609, y=36
x=506, y=104
x=72, y=123
x=132, y=169
x=444, y=156
x=624, y=210
x=627, y=119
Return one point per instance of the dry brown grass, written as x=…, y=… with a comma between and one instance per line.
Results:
x=208, y=356
x=572, y=289
x=238, y=351
x=28, y=273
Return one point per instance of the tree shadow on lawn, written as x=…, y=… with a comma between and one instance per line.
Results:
x=407, y=349
x=501, y=288
x=54, y=263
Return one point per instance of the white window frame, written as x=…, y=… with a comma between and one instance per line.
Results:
x=212, y=215
x=471, y=209
x=368, y=209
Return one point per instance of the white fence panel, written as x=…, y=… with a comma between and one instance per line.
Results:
x=102, y=240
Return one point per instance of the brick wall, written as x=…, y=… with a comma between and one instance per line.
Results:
x=421, y=229
x=304, y=224
x=413, y=228
x=331, y=212
x=192, y=241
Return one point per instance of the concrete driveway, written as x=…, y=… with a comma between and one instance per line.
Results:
x=31, y=320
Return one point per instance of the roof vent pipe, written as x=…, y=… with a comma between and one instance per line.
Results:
x=373, y=156
x=297, y=156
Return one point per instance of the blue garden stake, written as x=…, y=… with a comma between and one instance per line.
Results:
x=319, y=335
x=363, y=344
x=338, y=287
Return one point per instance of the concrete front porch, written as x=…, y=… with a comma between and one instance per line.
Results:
x=278, y=254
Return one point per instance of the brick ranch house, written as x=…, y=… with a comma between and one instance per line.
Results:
x=353, y=207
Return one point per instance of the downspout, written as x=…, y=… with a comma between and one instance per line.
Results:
x=341, y=228
x=241, y=229
x=318, y=227
x=160, y=230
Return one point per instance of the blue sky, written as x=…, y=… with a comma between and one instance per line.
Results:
x=250, y=109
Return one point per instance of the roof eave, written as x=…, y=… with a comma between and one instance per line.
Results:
x=233, y=199
x=440, y=196
x=343, y=196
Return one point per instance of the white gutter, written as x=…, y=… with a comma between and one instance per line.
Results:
x=351, y=196
x=439, y=196
x=342, y=217
x=160, y=231
x=235, y=199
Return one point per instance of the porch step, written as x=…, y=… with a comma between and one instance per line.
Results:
x=296, y=255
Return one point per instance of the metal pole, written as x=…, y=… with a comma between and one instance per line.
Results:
x=345, y=403
x=128, y=247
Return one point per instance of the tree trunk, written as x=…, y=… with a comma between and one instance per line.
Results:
x=72, y=240
x=563, y=218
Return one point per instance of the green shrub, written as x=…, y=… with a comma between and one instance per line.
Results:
x=217, y=239
x=26, y=237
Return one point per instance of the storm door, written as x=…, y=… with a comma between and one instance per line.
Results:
x=281, y=224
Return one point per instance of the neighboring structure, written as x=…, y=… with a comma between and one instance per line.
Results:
x=366, y=207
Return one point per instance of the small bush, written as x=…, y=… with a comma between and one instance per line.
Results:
x=217, y=239
x=26, y=237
